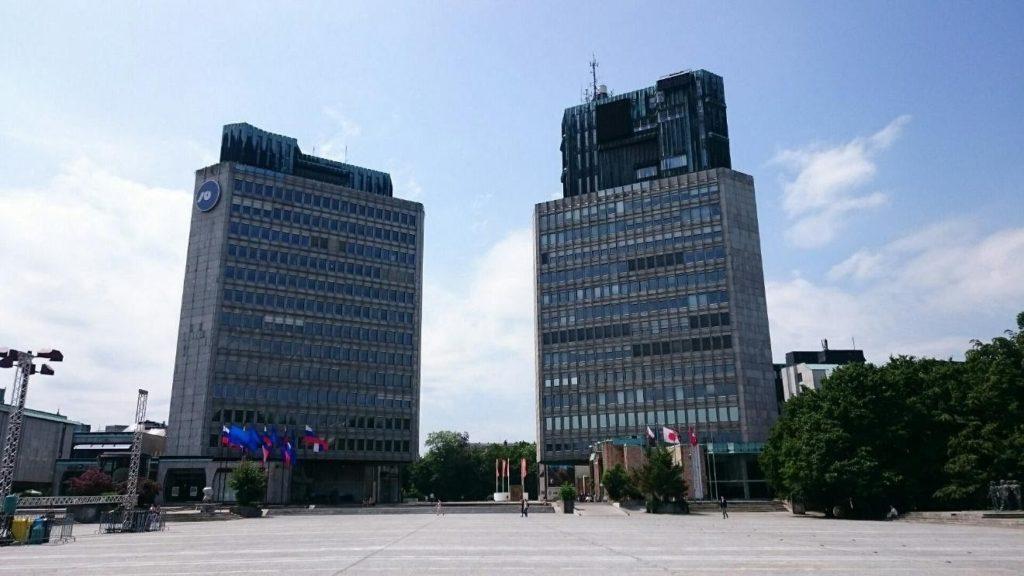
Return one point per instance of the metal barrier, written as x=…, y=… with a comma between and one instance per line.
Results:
x=61, y=529
x=137, y=521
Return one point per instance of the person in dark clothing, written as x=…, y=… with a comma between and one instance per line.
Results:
x=524, y=509
x=724, y=505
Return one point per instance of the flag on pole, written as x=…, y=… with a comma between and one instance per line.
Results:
x=225, y=437
x=693, y=437
x=497, y=466
x=310, y=438
x=288, y=452
x=522, y=473
x=669, y=435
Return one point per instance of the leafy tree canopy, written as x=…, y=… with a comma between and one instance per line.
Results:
x=914, y=433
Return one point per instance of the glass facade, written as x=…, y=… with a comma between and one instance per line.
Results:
x=674, y=127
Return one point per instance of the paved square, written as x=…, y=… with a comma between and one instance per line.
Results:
x=603, y=542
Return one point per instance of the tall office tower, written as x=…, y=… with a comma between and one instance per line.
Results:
x=650, y=291
x=301, y=307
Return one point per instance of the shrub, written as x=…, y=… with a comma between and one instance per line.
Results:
x=249, y=482
x=92, y=482
x=567, y=492
x=616, y=482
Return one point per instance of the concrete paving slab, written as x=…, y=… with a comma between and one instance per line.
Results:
x=756, y=543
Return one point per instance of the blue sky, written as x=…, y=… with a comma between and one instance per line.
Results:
x=885, y=140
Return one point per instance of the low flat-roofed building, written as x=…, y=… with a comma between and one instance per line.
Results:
x=110, y=451
x=45, y=438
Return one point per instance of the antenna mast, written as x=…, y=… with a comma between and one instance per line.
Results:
x=593, y=75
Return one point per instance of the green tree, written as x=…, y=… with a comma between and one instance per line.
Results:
x=616, y=482
x=989, y=441
x=455, y=469
x=249, y=482
x=447, y=470
x=915, y=433
x=660, y=479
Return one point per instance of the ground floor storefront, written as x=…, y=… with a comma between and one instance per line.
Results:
x=311, y=482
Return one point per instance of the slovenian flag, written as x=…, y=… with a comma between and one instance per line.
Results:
x=225, y=436
x=288, y=452
x=693, y=437
x=318, y=443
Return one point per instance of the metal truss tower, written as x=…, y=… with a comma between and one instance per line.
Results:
x=131, y=496
x=12, y=440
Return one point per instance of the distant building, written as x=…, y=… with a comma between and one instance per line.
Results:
x=808, y=369
x=110, y=451
x=45, y=438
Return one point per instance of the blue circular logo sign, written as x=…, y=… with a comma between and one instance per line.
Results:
x=208, y=195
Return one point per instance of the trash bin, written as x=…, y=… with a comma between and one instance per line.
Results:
x=19, y=528
x=10, y=504
x=38, y=532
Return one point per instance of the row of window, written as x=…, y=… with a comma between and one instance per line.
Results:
x=282, y=280
x=681, y=324
x=266, y=369
x=257, y=209
x=254, y=232
x=658, y=283
x=289, y=349
x=280, y=193
x=306, y=397
x=649, y=394
x=313, y=263
x=289, y=325
x=643, y=374
x=575, y=447
x=652, y=418
x=687, y=257
x=624, y=309
x=584, y=334
x=684, y=217
x=645, y=203
x=242, y=416
x=723, y=342
x=312, y=306
x=622, y=249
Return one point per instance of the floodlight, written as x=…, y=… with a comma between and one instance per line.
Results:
x=51, y=355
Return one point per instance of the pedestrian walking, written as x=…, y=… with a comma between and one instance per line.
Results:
x=438, y=508
x=524, y=509
x=724, y=505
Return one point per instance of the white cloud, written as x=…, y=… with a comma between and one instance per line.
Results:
x=822, y=194
x=478, y=354
x=94, y=267
x=335, y=146
x=928, y=293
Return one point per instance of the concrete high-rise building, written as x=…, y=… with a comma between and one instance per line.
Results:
x=650, y=291
x=301, y=307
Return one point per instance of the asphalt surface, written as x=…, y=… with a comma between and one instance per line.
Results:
x=602, y=541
